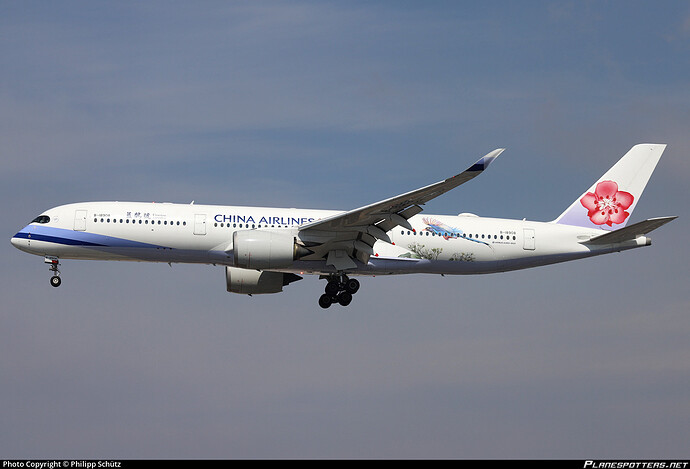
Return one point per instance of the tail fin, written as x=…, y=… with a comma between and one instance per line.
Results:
x=610, y=201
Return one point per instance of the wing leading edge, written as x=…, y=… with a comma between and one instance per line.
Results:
x=352, y=234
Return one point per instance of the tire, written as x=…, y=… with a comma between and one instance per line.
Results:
x=325, y=301
x=351, y=286
x=332, y=288
x=55, y=281
x=344, y=298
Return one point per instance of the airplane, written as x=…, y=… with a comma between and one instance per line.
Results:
x=264, y=249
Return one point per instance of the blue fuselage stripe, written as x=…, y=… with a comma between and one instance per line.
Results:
x=55, y=239
x=78, y=238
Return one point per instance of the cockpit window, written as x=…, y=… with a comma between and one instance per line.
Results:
x=41, y=219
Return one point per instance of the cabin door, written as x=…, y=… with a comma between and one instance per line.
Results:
x=200, y=224
x=528, y=235
x=80, y=220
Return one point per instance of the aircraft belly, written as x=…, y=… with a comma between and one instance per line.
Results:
x=395, y=266
x=148, y=254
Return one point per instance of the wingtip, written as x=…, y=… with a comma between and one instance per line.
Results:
x=658, y=147
x=490, y=157
x=485, y=160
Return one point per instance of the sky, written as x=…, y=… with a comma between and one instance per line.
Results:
x=336, y=105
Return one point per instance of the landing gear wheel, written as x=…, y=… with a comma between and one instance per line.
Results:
x=351, y=286
x=53, y=262
x=339, y=289
x=344, y=298
x=325, y=301
x=332, y=288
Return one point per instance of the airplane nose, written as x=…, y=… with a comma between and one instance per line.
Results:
x=16, y=242
x=19, y=242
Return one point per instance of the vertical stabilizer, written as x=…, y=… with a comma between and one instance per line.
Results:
x=608, y=204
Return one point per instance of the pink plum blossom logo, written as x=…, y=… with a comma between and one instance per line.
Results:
x=607, y=205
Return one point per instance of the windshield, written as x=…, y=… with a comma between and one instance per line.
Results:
x=41, y=219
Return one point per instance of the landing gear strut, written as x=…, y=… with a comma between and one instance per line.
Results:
x=339, y=289
x=55, y=280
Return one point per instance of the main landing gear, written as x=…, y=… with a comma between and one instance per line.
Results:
x=339, y=289
x=55, y=280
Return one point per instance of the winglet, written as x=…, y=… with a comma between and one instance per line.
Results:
x=486, y=160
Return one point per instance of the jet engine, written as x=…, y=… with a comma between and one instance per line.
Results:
x=257, y=249
x=254, y=282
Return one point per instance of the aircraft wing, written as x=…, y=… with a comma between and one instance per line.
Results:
x=352, y=234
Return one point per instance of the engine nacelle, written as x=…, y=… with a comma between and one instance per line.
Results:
x=257, y=249
x=254, y=282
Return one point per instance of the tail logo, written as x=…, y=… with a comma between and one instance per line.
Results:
x=607, y=205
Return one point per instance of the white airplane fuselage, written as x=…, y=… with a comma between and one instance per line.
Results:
x=264, y=249
x=203, y=234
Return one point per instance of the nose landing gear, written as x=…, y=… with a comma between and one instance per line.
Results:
x=55, y=280
x=339, y=289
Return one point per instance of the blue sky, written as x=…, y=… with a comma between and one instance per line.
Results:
x=336, y=105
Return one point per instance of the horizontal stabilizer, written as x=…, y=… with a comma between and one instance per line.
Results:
x=631, y=232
